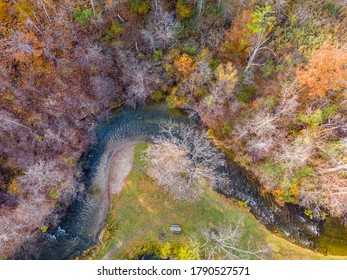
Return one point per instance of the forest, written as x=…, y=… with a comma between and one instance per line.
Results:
x=268, y=78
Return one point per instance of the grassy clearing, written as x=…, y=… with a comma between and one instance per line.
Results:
x=142, y=213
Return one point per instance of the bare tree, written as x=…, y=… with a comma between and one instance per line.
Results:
x=280, y=6
x=226, y=242
x=329, y=187
x=43, y=176
x=139, y=88
x=297, y=153
x=200, y=6
x=333, y=194
x=184, y=161
x=177, y=175
x=256, y=49
x=17, y=225
x=8, y=122
x=265, y=122
x=231, y=8
x=261, y=146
x=93, y=55
x=137, y=77
x=329, y=192
x=93, y=6
x=161, y=28
x=261, y=26
x=43, y=4
x=289, y=100
x=197, y=79
x=342, y=167
x=221, y=91
x=103, y=89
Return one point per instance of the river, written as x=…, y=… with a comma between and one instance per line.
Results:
x=80, y=227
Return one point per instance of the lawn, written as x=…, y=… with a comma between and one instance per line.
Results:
x=141, y=215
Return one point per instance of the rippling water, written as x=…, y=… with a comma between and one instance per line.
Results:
x=85, y=217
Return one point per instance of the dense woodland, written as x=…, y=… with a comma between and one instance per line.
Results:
x=268, y=78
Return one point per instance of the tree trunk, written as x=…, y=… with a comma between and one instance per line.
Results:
x=335, y=169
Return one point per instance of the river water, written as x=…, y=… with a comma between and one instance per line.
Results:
x=81, y=226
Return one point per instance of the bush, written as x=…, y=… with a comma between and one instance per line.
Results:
x=185, y=65
x=328, y=111
x=44, y=229
x=317, y=117
x=334, y=149
x=238, y=35
x=243, y=204
x=83, y=15
x=290, y=195
x=24, y=9
x=275, y=171
x=246, y=93
x=181, y=251
x=148, y=248
x=331, y=8
x=70, y=161
x=313, y=120
x=269, y=69
x=183, y=11
x=53, y=193
x=228, y=128
x=158, y=96
x=305, y=172
x=171, y=102
x=114, y=31
x=190, y=49
x=210, y=133
x=304, y=38
x=268, y=102
x=190, y=26
x=14, y=187
x=325, y=71
x=215, y=63
x=139, y=6
x=158, y=54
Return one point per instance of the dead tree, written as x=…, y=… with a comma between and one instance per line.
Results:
x=226, y=242
x=183, y=161
x=258, y=47
x=161, y=28
x=137, y=77
x=43, y=176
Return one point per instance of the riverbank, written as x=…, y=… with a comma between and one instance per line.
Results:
x=81, y=227
x=140, y=217
x=120, y=167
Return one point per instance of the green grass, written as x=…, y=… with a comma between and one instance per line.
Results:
x=142, y=213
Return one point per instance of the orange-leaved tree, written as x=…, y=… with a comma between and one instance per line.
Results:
x=326, y=70
x=238, y=36
x=185, y=65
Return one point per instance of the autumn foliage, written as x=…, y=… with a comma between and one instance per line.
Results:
x=64, y=65
x=185, y=65
x=237, y=37
x=326, y=70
